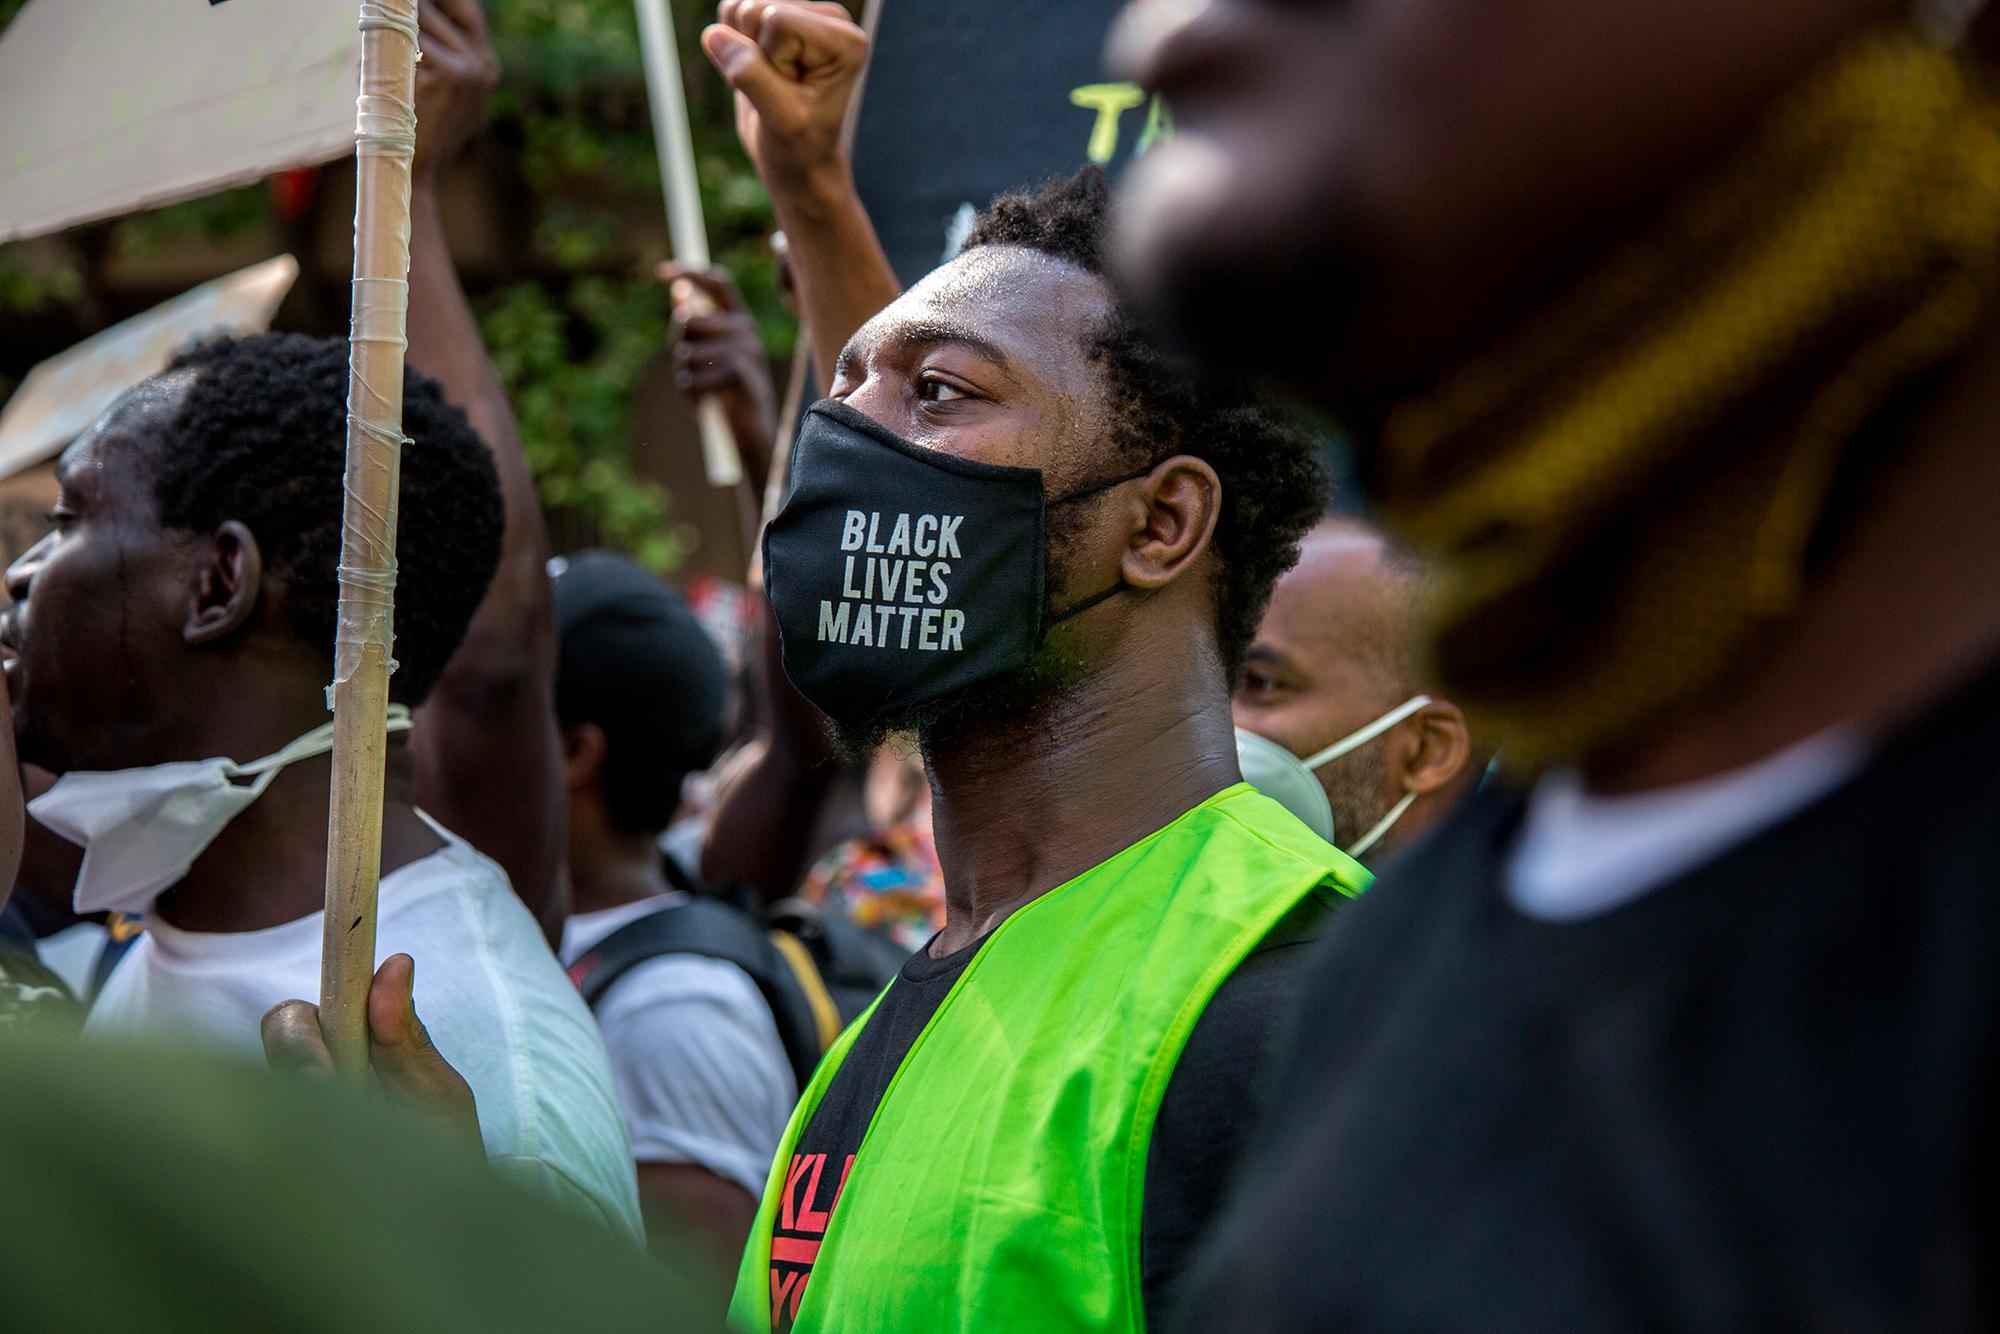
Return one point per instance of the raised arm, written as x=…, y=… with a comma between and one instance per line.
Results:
x=795, y=67
x=772, y=788
x=488, y=760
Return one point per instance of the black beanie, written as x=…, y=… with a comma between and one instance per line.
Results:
x=636, y=662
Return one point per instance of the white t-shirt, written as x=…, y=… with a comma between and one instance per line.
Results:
x=1579, y=855
x=701, y=1072
x=495, y=1001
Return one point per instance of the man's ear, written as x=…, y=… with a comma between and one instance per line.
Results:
x=227, y=581
x=1183, y=498
x=1433, y=748
x=584, y=748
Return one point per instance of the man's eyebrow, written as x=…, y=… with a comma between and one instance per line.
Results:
x=932, y=332
x=1267, y=655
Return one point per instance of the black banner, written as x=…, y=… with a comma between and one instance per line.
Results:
x=970, y=98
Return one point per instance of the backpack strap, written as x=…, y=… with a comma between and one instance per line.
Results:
x=712, y=930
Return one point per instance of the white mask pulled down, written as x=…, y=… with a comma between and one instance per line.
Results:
x=141, y=829
x=1288, y=780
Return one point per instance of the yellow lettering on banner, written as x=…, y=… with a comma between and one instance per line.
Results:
x=1109, y=101
x=1159, y=125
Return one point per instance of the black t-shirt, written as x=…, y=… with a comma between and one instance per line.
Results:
x=1759, y=1097
x=1204, y=1118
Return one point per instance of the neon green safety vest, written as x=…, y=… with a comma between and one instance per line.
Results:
x=998, y=1185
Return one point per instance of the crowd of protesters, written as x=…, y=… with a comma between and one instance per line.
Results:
x=998, y=943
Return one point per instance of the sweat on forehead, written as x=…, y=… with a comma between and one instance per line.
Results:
x=129, y=430
x=1031, y=314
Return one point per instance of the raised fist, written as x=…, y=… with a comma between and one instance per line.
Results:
x=794, y=65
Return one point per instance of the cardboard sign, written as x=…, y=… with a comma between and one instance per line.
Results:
x=108, y=106
x=65, y=394
x=967, y=99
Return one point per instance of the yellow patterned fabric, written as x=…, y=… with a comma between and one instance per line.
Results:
x=1625, y=486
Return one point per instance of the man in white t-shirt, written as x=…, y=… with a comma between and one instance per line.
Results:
x=493, y=1001
x=184, y=609
x=701, y=1072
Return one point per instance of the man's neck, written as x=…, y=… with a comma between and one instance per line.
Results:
x=268, y=866
x=613, y=870
x=1022, y=807
x=1903, y=613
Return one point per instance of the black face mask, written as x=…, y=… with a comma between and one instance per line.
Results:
x=900, y=574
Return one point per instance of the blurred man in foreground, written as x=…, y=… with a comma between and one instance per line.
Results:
x=1332, y=697
x=1669, y=328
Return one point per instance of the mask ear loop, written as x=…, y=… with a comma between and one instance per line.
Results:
x=1382, y=826
x=1084, y=492
x=1078, y=608
x=316, y=742
x=1355, y=740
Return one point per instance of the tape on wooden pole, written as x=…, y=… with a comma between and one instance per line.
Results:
x=385, y=140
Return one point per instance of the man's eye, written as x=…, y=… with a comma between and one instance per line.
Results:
x=933, y=390
x=59, y=516
x=1257, y=685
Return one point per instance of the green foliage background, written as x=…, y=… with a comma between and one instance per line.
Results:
x=572, y=332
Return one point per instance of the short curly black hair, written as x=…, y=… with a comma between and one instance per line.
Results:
x=1273, y=485
x=260, y=436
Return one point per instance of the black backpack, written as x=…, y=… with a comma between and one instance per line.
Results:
x=816, y=970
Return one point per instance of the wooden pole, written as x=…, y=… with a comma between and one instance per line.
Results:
x=685, y=228
x=385, y=138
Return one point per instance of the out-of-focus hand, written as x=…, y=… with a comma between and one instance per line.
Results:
x=401, y=1058
x=794, y=65
x=457, y=74
x=717, y=353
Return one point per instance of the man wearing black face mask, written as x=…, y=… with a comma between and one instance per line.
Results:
x=1017, y=531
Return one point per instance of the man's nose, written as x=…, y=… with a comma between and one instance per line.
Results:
x=21, y=574
x=876, y=398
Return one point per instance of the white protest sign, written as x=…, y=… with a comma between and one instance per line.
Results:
x=109, y=106
x=65, y=394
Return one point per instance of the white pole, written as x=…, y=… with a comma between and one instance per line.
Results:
x=684, y=222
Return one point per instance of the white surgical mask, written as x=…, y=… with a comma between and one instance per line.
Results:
x=1288, y=780
x=141, y=829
